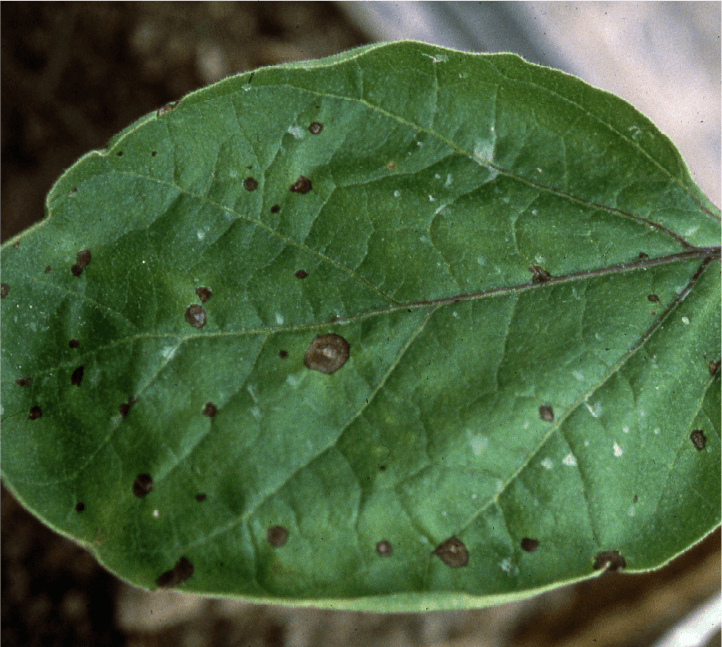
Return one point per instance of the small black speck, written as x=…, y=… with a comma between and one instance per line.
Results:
x=73, y=343
x=714, y=366
x=153, y=153
x=142, y=485
x=77, y=377
x=4, y=290
x=79, y=507
x=250, y=184
x=539, y=275
x=180, y=573
x=301, y=274
x=635, y=499
x=119, y=153
x=35, y=413
x=124, y=408
x=653, y=298
x=275, y=208
x=23, y=381
x=200, y=497
x=283, y=354
x=643, y=255
x=48, y=270
x=277, y=536
x=210, y=409
x=529, y=545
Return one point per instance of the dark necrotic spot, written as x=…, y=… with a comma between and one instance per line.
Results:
x=714, y=367
x=301, y=274
x=124, y=408
x=301, y=185
x=529, y=545
x=698, y=439
x=23, y=381
x=452, y=552
x=277, y=536
x=196, y=316
x=250, y=184
x=47, y=269
x=315, y=128
x=200, y=497
x=77, y=377
x=209, y=410
x=283, y=354
x=383, y=548
x=635, y=499
x=4, y=290
x=203, y=294
x=546, y=413
x=73, y=190
x=82, y=260
x=119, y=153
x=539, y=275
x=73, y=343
x=142, y=485
x=610, y=558
x=382, y=468
x=166, y=108
x=80, y=507
x=180, y=573
x=153, y=153
x=643, y=255
x=35, y=413
x=653, y=298
x=327, y=353
x=275, y=208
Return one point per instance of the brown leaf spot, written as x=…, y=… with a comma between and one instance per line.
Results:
x=539, y=275
x=698, y=439
x=283, y=354
x=209, y=410
x=166, y=108
x=714, y=366
x=327, y=354
x=301, y=185
x=48, y=270
x=383, y=548
x=35, y=413
x=142, y=485
x=119, y=153
x=277, y=536
x=4, y=290
x=196, y=316
x=203, y=294
x=275, y=208
x=653, y=298
x=180, y=573
x=82, y=260
x=73, y=343
x=153, y=153
x=79, y=507
x=301, y=274
x=124, y=408
x=643, y=255
x=200, y=497
x=529, y=545
x=452, y=552
x=77, y=377
x=315, y=128
x=250, y=184
x=23, y=381
x=635, y=499
x=391, y=165
x=73, y=190
x=610, y=558
x=546, y=413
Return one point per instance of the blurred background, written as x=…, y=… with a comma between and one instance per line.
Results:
x=74, y=74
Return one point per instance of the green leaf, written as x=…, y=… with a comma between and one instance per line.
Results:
x=406, y=328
